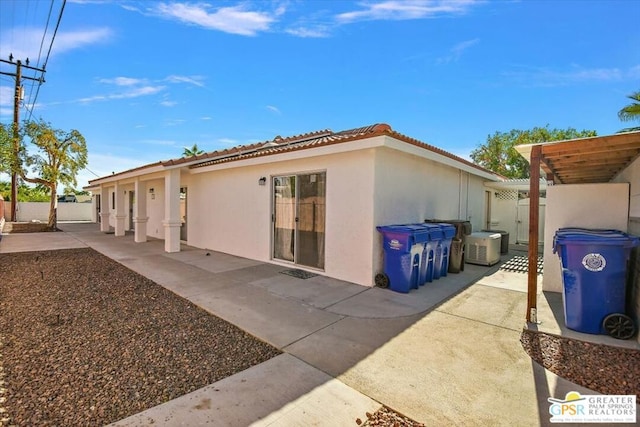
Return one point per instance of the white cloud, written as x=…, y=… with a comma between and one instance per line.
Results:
x=133, y=93
x=406, y=9
x=6, y=112
x=634, y=72
x=205, y=118
x=27, y=41
x=194, y=80
x=309, y=32
x=138, y=87
x=104, y=164
x=6, y=96
x=273, y=109
x=228, y=141
x=174, y=122
x=234, y=20
x=123, y=81
x=575, y=75
x=456, y=52
x=69, y=40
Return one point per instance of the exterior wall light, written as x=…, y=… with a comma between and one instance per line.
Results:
x=262, y=181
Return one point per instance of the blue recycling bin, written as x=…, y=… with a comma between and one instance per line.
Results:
x=403, y=247
x=441, y=262
x=594, y=273
x=427, y=266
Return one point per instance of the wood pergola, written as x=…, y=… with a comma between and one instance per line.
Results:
x=577, y=161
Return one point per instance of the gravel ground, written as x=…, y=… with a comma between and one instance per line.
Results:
x=387, y=417
x=85, y=341
x=601, y=368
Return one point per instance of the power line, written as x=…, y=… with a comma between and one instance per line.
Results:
x=44, y=65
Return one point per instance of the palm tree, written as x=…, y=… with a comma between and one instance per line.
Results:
x=631, y=112
x=193, y=151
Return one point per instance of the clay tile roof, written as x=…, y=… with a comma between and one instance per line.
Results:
x=303, y=141
x=323, y=138
x=292, y=143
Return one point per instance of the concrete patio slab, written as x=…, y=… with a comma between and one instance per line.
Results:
x=276, y=320
x=342, y=345
x=452, y=371
x=166, y=272
x=282, y=391
x=215, y=262
x=508, y=280
x=318, y=291
x=28, y=242
x=479, y=303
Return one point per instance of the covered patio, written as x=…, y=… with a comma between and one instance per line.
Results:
x=597, y=160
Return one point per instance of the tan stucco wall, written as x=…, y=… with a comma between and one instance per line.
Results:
x=365, y=188
x=632, y=175
x=580, y=205
x=230, y=212
x=409, y=189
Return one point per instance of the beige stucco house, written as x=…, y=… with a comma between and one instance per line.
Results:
x=312, y=201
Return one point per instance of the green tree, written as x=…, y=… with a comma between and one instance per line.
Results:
x=26, y=193
x=58, y=159
x=71, y=190
x=193, y=151
x=631, y=112
x=499, y=155
x=7, y=159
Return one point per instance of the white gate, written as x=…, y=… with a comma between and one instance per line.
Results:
x=523, y=220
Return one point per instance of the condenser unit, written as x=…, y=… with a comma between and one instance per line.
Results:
x=483, y=248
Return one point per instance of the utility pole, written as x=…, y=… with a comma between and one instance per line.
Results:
x=18, y=96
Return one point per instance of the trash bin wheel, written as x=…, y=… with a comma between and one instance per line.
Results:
x=382, y=280
x=619, y=326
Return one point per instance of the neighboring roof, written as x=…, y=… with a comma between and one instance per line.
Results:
x=586, y=160
x=280, y=145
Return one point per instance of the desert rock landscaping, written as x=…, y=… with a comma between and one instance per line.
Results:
x=86, y=341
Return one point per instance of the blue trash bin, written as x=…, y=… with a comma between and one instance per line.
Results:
x=441, y=262
x=594, y=273
x=403, y=246
x=427, y=267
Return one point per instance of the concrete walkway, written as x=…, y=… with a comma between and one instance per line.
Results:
x=446, y=354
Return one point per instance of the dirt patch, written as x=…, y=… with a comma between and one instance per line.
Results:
x=85, y=341
x=25, y=227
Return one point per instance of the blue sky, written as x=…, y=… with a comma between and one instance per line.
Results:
x=143, y=79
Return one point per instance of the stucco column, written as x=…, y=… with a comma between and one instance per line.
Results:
x=140, y=217
x=120, y=215
x=172, y=221
x=104, y=209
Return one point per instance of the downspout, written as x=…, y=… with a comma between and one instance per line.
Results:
x=460, y=193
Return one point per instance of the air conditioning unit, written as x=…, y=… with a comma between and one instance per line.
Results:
x=483, y=248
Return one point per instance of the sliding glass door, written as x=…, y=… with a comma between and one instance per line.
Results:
x=299, y=218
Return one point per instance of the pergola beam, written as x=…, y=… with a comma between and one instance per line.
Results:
x=534, y=220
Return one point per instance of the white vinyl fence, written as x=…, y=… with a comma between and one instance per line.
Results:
x=39, y=211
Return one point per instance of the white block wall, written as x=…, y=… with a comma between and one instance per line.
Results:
x=580, y=205
x=39, y=211
x=632, y=175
